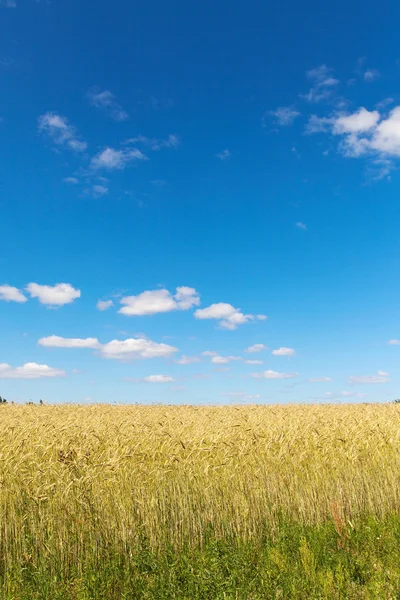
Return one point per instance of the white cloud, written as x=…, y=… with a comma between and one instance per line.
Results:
x=380, y=377
x=319, y=124
x=222, y=360
x=187, y=360
x=159, y=301
x=55, y=341
x=360, y=121
x=136, y=349
x=256, y=348
x=72, y=180
x=29, y=371
x=283, y=115
x=228, y=316
x=104, y=304
x=56, y=295
x=371, y=75
x=11, y=294
x=273, y=375
x=58, y=129
x=209, y=353
x=99, y=190
x=284, y=352
x=301, y=225
x=324, y=84
x=366, y=133
x=125, y=350
x=224, y=155
x=158, y=379
x=261, y=317
x=253, y=362
x=105, y=100
x=241, y=395
x=319, y=379
x=109, y=158
x=172, y=141
x=394, y=342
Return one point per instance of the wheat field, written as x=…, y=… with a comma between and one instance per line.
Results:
x=77, y=479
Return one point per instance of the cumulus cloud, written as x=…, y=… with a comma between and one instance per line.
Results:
x=105, y=101
x=228, y=316
x=158, y=379
x=394, y=342
x=323, y=84
x=56, y=295
x=159, y=301
x=55, y=341
x=284, y=352
x=283, y=115
x=253, y=362
x=110, y=158
x=380, y=377
x=224, y=155
x=256, y=348
x=124, y=350
x=58, y=129
x=104, y=304
x=273, y=375
x=11, y=294
x=136, y=349
x=29, y=371
x=222, y=360
x=358, y=122
x=365, y=133
x=188, y=360
x=319, y=379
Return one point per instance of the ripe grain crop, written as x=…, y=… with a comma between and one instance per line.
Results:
x=75, y=480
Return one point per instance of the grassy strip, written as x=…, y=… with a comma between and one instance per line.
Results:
x=329, y=561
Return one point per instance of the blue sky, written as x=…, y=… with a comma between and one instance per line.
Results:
x=221, y=177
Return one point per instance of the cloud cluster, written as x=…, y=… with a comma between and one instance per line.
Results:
x=228, y=316
x=56, y=295
x=124, y=350
x=29, y=371
x=364, y=133
x=159, y=301
x=58, y=129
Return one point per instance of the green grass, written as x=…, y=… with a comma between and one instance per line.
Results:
x=330, y=561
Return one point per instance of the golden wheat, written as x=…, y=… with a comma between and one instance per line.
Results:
x=73, y=477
